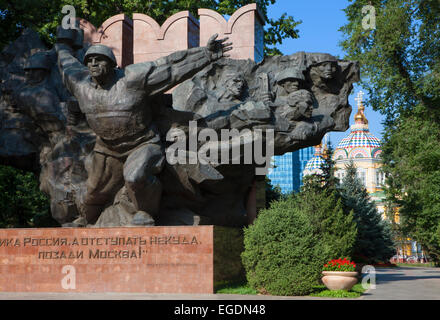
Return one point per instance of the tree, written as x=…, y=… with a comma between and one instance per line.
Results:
x=373, y=240
x=400, y=68
x=319, y=199
x=412, y=158
x=21, y=202
x=45, y=15
x=330, y=221
x=272, y=193
x=400, y=57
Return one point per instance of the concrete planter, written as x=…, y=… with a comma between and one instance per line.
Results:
x=339, y=280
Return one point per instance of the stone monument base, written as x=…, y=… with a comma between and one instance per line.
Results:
x=181, y=259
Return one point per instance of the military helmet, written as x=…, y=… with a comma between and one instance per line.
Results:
x=101, y=50
x=290, y=73
x=320, y=58
x=39, y=60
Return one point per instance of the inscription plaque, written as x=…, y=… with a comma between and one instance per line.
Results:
x=156, y=259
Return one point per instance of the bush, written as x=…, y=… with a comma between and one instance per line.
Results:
x=282, y=253
x=22, y=204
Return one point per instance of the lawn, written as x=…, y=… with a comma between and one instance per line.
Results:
x=318, y=291
x=419, y=265
x=322, y=291
x=240, y=287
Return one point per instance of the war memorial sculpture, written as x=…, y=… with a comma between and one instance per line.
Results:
x=98, y=135
x=136, y=127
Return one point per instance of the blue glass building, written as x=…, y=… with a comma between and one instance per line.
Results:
x=287, y=173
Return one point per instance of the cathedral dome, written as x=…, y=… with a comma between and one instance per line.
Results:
x=360, y=143
x=313, y=166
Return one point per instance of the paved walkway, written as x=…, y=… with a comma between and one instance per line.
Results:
x=409, y=283
x=391, y=284
x=139, y=296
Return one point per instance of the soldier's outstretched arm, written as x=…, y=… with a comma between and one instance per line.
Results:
x=167, y=72
x=72, y=71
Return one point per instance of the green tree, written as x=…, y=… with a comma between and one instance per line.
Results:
x=400, y=70
x=45, y=15
x=412, y=157
x=272, y=193
x=21, y=202
x=400, y=57
x=327, y=175
x=373, y=240
x=324, y=208
x=320, y=200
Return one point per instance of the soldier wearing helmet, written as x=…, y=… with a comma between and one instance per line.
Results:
x=288, y=81
x=293, y=102
x=37, y=68
x=38, y=99
x=117, y=106
x=323, y=71
x=100, y=60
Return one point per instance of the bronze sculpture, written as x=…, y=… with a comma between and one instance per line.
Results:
x=104, y=163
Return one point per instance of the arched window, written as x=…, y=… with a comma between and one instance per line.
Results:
x=362, y=175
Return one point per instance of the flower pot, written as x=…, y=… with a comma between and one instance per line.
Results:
x=339, y=280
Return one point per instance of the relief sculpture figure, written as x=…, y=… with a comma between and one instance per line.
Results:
x=116, y=103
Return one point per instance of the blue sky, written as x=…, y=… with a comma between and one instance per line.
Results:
x=318, y=32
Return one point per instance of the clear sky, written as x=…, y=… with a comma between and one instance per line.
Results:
x=318, y=32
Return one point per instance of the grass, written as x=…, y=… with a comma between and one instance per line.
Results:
x=237, y=287
x=417, y=265
x=322, y=291
x=241, y=287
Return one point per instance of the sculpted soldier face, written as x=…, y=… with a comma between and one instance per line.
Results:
x=236, y=86
x=290, y=85
x=327, y=70
x=302, y=102
x=99, y=66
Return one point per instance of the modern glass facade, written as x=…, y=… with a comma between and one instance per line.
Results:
x=287, y=173
x=304, y=156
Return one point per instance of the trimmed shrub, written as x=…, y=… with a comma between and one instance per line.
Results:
x=282, y=253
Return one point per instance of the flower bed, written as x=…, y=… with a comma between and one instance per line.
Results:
x=344, y=265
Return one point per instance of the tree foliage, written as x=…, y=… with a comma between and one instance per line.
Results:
x=45, y=15
x=400, y=69
x=282, y=253
x=373, y=240
x=288, y=244
x=321, y=201
x=412, y=157
x=400, y=58
x=325, y=209
x=272, y=193
x=21, y=202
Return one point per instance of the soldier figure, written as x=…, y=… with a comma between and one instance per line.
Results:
x=233, y=86
x=322, y=74
x=288, y=81
x=117, y=107
x=292, y=102
x=38, y=99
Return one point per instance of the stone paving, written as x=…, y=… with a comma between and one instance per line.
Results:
x=391, y=284
x=409, y=283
